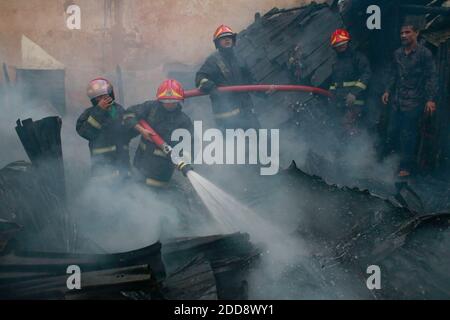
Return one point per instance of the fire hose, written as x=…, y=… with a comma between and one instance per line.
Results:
x=166, y=148
x=262, y=88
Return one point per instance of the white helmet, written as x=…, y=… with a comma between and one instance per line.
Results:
x=99, y=87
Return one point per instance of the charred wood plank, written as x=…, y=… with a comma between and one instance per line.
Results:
x=42, y=142
x=193, y=281
x=58, y=262
x=113, y=280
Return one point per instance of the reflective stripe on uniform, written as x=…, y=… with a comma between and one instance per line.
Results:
x=156, y=183
x=98, y=151
x=358, y=84
x=359, y=102
x=227, y=114
x=94, y=123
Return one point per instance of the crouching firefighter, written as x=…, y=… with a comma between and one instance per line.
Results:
x=225, y=68
x=164, y=115
x=102, y=126
x=349, y=80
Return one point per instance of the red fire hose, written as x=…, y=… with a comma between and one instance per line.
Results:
x=166, y=148
x=261, y=88
x=156, y=138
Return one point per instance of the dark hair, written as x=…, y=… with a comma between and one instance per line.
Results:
x=413, y=26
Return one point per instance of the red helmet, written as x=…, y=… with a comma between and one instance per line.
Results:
x=170, y=91
x=340, y=37
x=99, y=87
x=223, y=31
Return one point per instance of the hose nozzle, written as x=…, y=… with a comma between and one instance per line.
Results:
x=184, y=167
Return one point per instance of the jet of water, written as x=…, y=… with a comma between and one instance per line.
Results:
x=229, y=214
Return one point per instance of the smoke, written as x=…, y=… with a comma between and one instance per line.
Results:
x=322, y=147
x=125, y=216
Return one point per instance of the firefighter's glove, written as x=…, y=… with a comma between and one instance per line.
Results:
x=208, y=86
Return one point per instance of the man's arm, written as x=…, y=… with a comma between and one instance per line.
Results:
x=204, y=77
x=91, y=122
x=365, y=73
x=431, y=78
x=365, y=70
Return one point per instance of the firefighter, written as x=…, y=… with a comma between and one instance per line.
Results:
x=102, y=126
x=349, y=80
x=225, y=68
x=164, y=115
x=412, y=89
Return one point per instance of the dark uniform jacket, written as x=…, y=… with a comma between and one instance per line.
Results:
x=153, y=164
x=412, y=78
x=108, y=139
x=351, y=73
x=226, y=69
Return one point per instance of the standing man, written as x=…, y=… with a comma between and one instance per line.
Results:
x=349, y=80
x=412, y=89
x=102, y=126
x=225, y=68
x=165, y=116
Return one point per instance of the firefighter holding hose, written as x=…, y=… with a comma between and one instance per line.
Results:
x=102, y=126
x=225, y=68
x=154, y=161
x=349, y=80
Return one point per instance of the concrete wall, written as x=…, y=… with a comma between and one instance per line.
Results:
x=139, y=35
